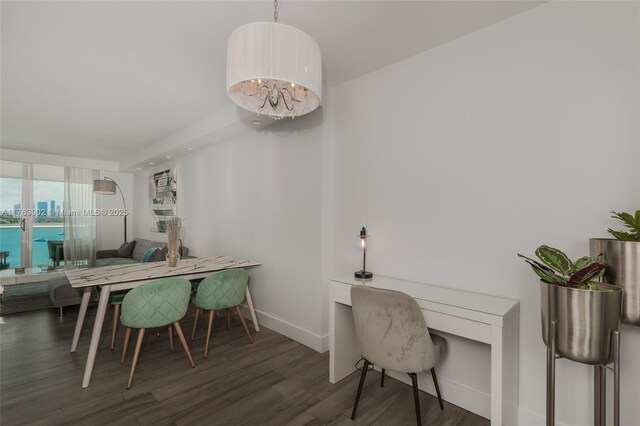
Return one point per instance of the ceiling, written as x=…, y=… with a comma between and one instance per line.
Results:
x=106, y=80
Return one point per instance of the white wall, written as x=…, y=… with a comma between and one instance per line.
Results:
x=258, y=197
x=523, y=133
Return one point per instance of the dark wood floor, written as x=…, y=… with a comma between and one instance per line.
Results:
x=275, y=381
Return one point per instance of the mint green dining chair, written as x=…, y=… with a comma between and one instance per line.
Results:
x=155, y=304
x=221, y=291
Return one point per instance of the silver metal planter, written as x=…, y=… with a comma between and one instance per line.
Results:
x=583, y=326
x=585, y=321
x=623, y=270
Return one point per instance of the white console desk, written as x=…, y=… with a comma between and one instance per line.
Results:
x=487, y=319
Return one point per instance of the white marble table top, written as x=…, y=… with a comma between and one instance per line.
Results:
x=116, y=274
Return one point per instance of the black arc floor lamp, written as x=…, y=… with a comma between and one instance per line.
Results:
x=107, y=186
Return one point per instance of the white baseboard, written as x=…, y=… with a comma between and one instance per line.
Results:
x=314, y=341
x=529, y=418
x=453, y=392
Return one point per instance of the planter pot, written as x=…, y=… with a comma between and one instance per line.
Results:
x=623, y=270
x=585, y=321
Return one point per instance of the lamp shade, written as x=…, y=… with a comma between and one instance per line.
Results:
x=274, y=69
x=103, y=186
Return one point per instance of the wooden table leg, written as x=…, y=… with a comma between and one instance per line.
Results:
x=86, y=295
x=95, y=336
x=254, y=319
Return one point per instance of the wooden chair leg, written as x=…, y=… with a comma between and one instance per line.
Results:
x=136, y=355
x=416, y=397
x=365, y=367
x=170, y=337
x=228, y=319
x=116, y=316
x=184, y=343
x=195, y=324
x=127, y=334
x=435, y=383
x=382, y=379
x=244, y=324
x=212, y=315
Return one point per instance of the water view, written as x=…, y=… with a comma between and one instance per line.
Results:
x=10, y=241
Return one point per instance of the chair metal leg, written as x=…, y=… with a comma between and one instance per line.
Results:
x=136, y=355
x=416, y=397
x=114, y=327
x=210, y=326
x=365, y=367
x=244, y=324
x=195, y=324
x=435, y=383
x=184, y=342
x=60, y=311
x=170, y=329
x=228, y=319
x=127, y=334
x=382, y=379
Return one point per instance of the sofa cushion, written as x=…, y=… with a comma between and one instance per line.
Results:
x=126, y=249
x=159, y=255
x=142, y=246
x=147, y=254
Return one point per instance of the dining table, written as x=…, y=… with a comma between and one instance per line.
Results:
x=128, y=276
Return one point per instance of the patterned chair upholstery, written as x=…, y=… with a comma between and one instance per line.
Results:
x=155, y=304
x=222, y=290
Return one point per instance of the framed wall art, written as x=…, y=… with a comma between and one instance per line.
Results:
x=162, y=198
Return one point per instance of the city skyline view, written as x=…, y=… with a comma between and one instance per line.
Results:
x=43, y=192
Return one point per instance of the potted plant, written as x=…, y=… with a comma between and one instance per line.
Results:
x=622, y=256
x=580, y=312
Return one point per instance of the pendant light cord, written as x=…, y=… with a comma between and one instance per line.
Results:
x=275, y=10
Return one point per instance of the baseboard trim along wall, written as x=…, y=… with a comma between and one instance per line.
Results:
x=314, y=341
x=453, y=392
x=529, y=418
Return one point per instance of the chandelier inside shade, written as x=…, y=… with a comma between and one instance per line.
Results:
x=274, y=69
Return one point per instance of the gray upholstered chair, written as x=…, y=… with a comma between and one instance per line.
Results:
x=392, y=334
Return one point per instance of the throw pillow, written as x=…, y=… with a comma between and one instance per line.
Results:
x=126, y=249
x=159, y=255
x=147, y=254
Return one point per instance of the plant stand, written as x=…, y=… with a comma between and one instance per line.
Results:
x=583, y=326
x=599, y=382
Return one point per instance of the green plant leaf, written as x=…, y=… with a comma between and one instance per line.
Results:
x=630, y=221
x=587, y=274
x=581, y=263
x=547, y=275
x=623, y=236
x=540, y=265
x=555, y=259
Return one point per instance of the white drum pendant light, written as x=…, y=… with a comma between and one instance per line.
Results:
x=274, y=69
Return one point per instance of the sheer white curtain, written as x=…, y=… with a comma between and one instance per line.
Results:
x=80, y=230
